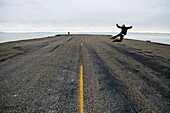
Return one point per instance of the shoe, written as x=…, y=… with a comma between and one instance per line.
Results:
x=113, y=41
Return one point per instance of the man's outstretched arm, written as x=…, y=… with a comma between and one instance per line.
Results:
x=129, y=27
x=118, y=26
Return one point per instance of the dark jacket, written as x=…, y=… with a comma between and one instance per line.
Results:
x=124, y=29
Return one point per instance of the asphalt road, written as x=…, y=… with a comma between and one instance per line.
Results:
x=43, y=75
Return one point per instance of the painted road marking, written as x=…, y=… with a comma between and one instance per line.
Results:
x=81, y=89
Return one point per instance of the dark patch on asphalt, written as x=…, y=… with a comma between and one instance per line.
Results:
x=148, y=62
x=146, y=53
x=10, y=57
x=17, y=47
x=69, y=39
x=109, y=81
x=165, y=93
x=40, y=46
x=150, y=82
x=54, y=48
x=23, y=51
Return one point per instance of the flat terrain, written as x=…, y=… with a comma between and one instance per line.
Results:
x=43, y=75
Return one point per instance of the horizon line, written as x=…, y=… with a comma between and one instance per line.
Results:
x=80, y=31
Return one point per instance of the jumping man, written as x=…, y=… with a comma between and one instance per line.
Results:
x=122, y=33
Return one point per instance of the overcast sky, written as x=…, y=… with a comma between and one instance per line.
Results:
x=84, y=15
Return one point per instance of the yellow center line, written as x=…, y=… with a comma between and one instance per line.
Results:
x=81, y=89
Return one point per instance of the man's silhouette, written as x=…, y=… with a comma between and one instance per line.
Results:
x=122, y=33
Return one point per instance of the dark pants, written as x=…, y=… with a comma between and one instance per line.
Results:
x=118, y=40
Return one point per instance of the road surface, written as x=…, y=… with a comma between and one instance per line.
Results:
x=84, y=73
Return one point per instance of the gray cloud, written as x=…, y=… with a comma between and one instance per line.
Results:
x=84, y=14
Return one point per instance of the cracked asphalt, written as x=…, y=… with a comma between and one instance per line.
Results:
x=43, y=75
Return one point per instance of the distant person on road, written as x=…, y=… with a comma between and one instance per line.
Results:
x=122, y=33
